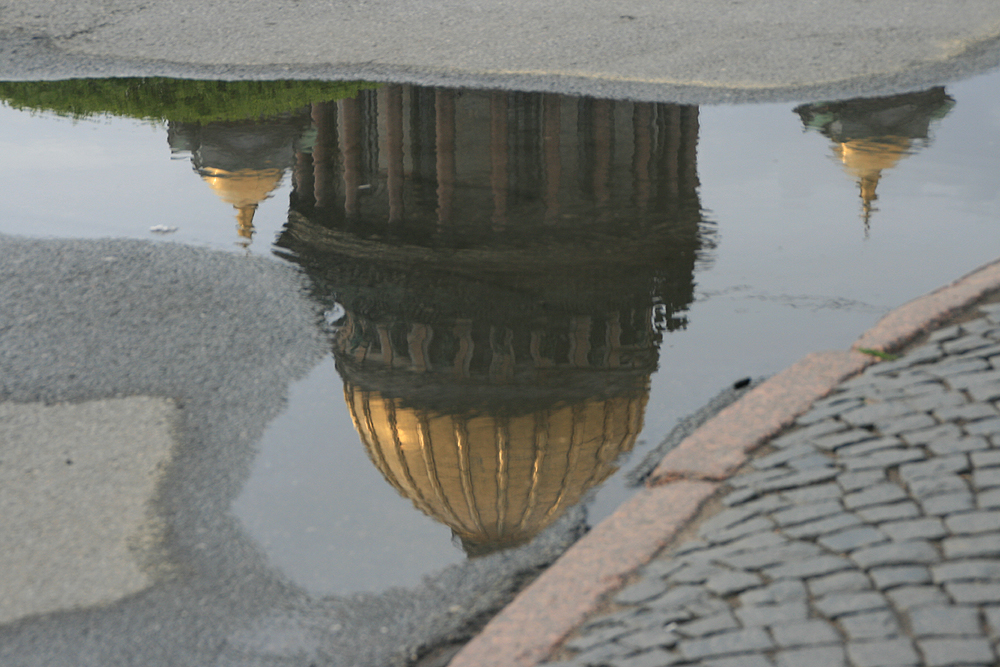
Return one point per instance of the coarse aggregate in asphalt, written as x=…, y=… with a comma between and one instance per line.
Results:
x=867, y=535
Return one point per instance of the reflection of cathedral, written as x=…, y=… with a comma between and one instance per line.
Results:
x=243, y=162
x=872, y=135
x=506, y=264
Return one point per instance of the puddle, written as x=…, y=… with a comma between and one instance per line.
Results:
x=523, y=293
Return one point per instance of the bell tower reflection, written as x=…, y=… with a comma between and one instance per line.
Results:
x=872, y=135
x=501, y=268
x=243, y=161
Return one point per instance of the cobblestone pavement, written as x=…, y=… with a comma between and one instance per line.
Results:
x=868, y=535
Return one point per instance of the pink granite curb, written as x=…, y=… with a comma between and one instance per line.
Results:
x=912, y=319
x=541, y=617
x=532, y=627
x=721, y=445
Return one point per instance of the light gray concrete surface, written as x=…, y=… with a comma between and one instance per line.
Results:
x=105, y=331
x=696, y=52
x=77, y=483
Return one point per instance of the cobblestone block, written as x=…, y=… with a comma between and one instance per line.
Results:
x=902, y=425
x=755, y=479
x=883, y=653
x=985, y=392
x=947, y=503
x=812, y=494
x=966, y=344
x=884, y=458
x=726, y=643
x=850, y=580
x=676, y=597
x=974, y=593
x=841, y=438
x=914, y=529
x=773, y=614
x=936, y=466
x=816, y=460
x=653, y=658
x=730, y=517
x=881, y=624
x=706, y=606
x=936, y=486
x=802, y=513
x=805, y=633
x=695, y=573
x=876, y=495
x=799, y=478
x=986, y=478
x=853, y=538
x=601, y=654
x=817, y=656
x=900, y=575
x=972, y=546
x=823, y=526
x=783, y=456
x=869, y=446
x=960, y=366
x=750, y=543
x=587, y=641
x=988, y=459
x=663, y=567
x=868, y=415
x=832, y=409
x=730, y=583
x=651, y=638
x=750, y=660
x=973, y=522
x=910, y=597
x=944, y=620
x=966, y=413
x=971, y=569
x=739, y=497
x=808, y=433
x=927, y=435
x=879, y=513
x=988, y=499
x=959, y=444
x=748, y=527
x=642, y=591
x=755, y=560
x=808, y=567
x=983, y=426
x=947, y=333
x=708, y=626
x=852, y=481
x=839, y=604
x=948, y=652
x=914, y=552
x=966, y=381
x=779, y=591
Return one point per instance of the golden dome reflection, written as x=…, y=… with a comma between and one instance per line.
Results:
x=872, y=135
x=500, y=269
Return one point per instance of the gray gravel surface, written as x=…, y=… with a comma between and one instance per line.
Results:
x=868, y=535
x=222, y=336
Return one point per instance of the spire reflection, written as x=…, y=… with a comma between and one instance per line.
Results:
x=872, y=135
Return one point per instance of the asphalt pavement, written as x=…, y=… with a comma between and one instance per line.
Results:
x=688, y=52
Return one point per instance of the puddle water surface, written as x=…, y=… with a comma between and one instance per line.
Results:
x=523, y=292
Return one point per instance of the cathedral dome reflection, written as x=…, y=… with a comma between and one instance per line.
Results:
x=872, y=135
x=503, y=267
